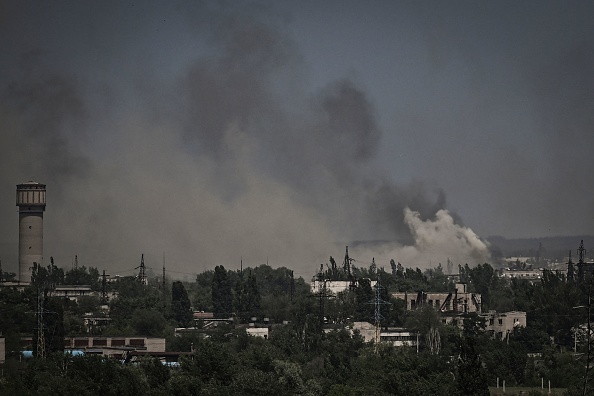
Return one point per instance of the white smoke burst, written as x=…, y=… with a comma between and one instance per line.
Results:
x=435, y=241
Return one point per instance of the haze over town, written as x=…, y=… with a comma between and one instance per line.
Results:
x=281, y=132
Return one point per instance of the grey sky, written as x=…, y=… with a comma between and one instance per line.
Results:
x=286, y=130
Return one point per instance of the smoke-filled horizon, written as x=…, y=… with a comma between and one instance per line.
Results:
x=270, y=132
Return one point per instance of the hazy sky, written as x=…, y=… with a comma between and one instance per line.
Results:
x=283, y=131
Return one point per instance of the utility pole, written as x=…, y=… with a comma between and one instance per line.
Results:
x=163, y=284
x=163, y=280
x=570, y=269
x=76, y=269
x=589, y=335
x=40, y=325
x=588, y=338
x=377, y=317
x=142, y=272
x=104, y=297
x=581, y=254
x=346, y=264
x=321, y=295
x=292, y=286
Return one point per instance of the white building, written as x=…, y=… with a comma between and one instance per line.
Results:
x=529, y=274
x=258, y=332
x=72, y=292
x=334, y=287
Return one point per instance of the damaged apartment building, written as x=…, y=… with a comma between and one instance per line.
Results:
x=453, y=305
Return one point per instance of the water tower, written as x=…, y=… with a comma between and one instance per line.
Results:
x=30, y=198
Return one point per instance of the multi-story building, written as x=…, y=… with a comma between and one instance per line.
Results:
x=500, y=325
x=458, y=300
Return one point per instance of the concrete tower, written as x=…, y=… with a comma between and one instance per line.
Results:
x=30, y=198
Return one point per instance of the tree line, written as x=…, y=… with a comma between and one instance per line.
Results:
x=302, y=356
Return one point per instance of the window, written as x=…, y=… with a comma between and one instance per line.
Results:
x=500, y=322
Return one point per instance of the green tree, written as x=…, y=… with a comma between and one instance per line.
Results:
x=128, y=310
x=180, y=304
x=222, y=297
x=46, y=278
x=212, y=362
x=83, y=276
x=364, y=297
x=471, y=377
x=248, y=297
x=17, y=316
x=148, y=322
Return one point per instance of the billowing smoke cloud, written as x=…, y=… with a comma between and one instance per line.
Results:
x=207, y=155
x=435, y=241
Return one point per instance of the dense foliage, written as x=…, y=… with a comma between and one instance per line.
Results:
x=300, y=357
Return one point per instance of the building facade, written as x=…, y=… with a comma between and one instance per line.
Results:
x=395, y=336
x=501, y=324
x=335, y=287
x=458, y=300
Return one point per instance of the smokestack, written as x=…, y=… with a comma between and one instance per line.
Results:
x=30, y=198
